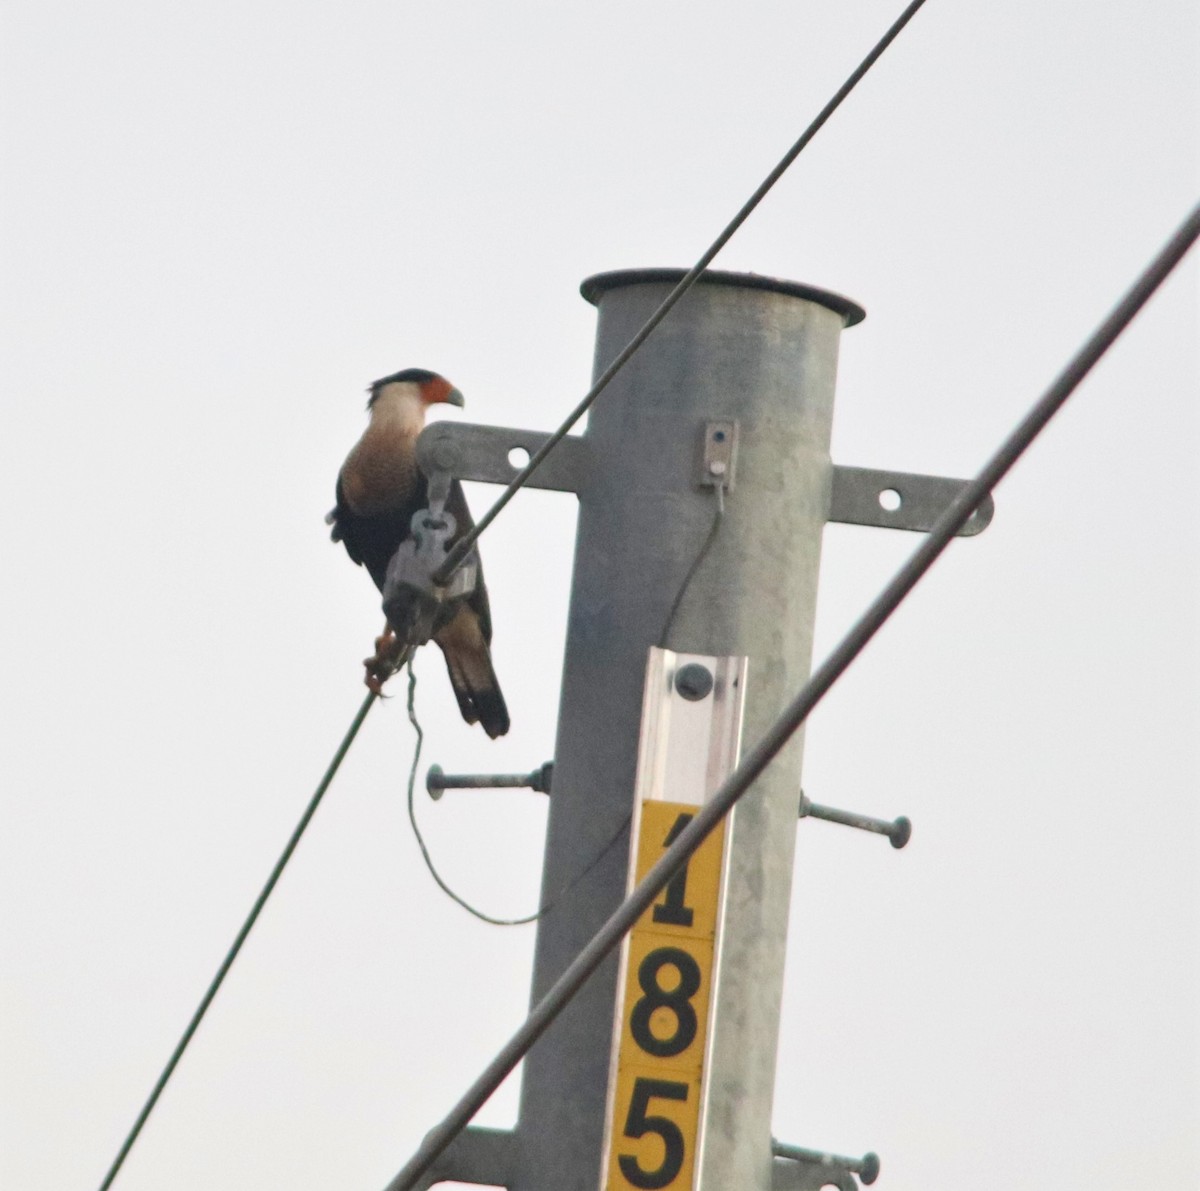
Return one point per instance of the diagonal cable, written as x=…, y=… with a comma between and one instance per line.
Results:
x=232, y=954
x=464, y=544
x=760, y=756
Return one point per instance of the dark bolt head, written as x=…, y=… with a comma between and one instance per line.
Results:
x=434, y=784
x=869, y=1170
x=901, y=832
x=693, y=681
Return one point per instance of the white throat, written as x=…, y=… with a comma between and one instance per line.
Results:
x=399, y=407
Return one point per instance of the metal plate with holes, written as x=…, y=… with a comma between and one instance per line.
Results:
x=472, y=452
x=899, y=500
x=718, y=455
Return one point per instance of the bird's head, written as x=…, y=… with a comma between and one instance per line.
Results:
x=428, y=387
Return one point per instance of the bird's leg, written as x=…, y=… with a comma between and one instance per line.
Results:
x=385, y=661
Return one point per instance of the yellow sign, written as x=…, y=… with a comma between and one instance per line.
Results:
x=664, y=1013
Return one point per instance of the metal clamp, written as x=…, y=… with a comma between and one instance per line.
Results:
x=436, y=780
x=898, y=830
x=411, y=599
x=810, y=1170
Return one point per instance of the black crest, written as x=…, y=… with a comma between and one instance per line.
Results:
x=416, y=376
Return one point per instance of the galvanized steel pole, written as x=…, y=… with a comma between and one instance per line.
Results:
x=762, y=353
x=545, y=1160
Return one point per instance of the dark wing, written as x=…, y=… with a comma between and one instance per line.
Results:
x=465, y=637
x=456, y=505
x=469, y=663
x=340, y=518
x=372, y=540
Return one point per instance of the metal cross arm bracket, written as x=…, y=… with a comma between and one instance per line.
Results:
x=472, y=452
x=482, y=1157
x=899, y=500
x=859, y=496
x=412, y=600
x=798, y=1169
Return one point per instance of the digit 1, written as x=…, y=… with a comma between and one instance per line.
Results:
x=672, y=911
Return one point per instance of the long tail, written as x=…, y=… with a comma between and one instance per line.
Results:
x=472, y=676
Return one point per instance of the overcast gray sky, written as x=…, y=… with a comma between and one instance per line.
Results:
x=222, y=221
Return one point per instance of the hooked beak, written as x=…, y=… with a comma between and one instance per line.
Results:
x=454, y=397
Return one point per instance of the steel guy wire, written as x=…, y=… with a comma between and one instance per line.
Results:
x=702, y=554
x=722, y=801
x=464, y=544
x=232, y=954
x=550, y=902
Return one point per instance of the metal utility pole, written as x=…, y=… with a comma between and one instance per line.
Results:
x=762, y=355
x=744, y=367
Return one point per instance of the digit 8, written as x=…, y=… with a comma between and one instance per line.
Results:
x=677, y=1000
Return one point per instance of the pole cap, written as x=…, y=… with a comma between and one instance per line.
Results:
x=595, y=287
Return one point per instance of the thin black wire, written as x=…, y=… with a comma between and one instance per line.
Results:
x=433, y=872
x=714, y=529
x=760, y=756
x=463, y=546
x=227, y=963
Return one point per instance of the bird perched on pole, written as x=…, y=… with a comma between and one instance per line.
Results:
x=379, y=489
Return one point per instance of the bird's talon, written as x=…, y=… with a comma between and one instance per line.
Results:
x=382, y=664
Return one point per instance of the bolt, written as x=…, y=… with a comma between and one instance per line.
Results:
x=866, y=1167
x=898, y=830
x=693, y=681
x=437, y=780
x=434, y=782
x=901, y=831
x=445, y=455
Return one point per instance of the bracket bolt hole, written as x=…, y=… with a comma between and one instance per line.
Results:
x=518, y=457
x=890, y=500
